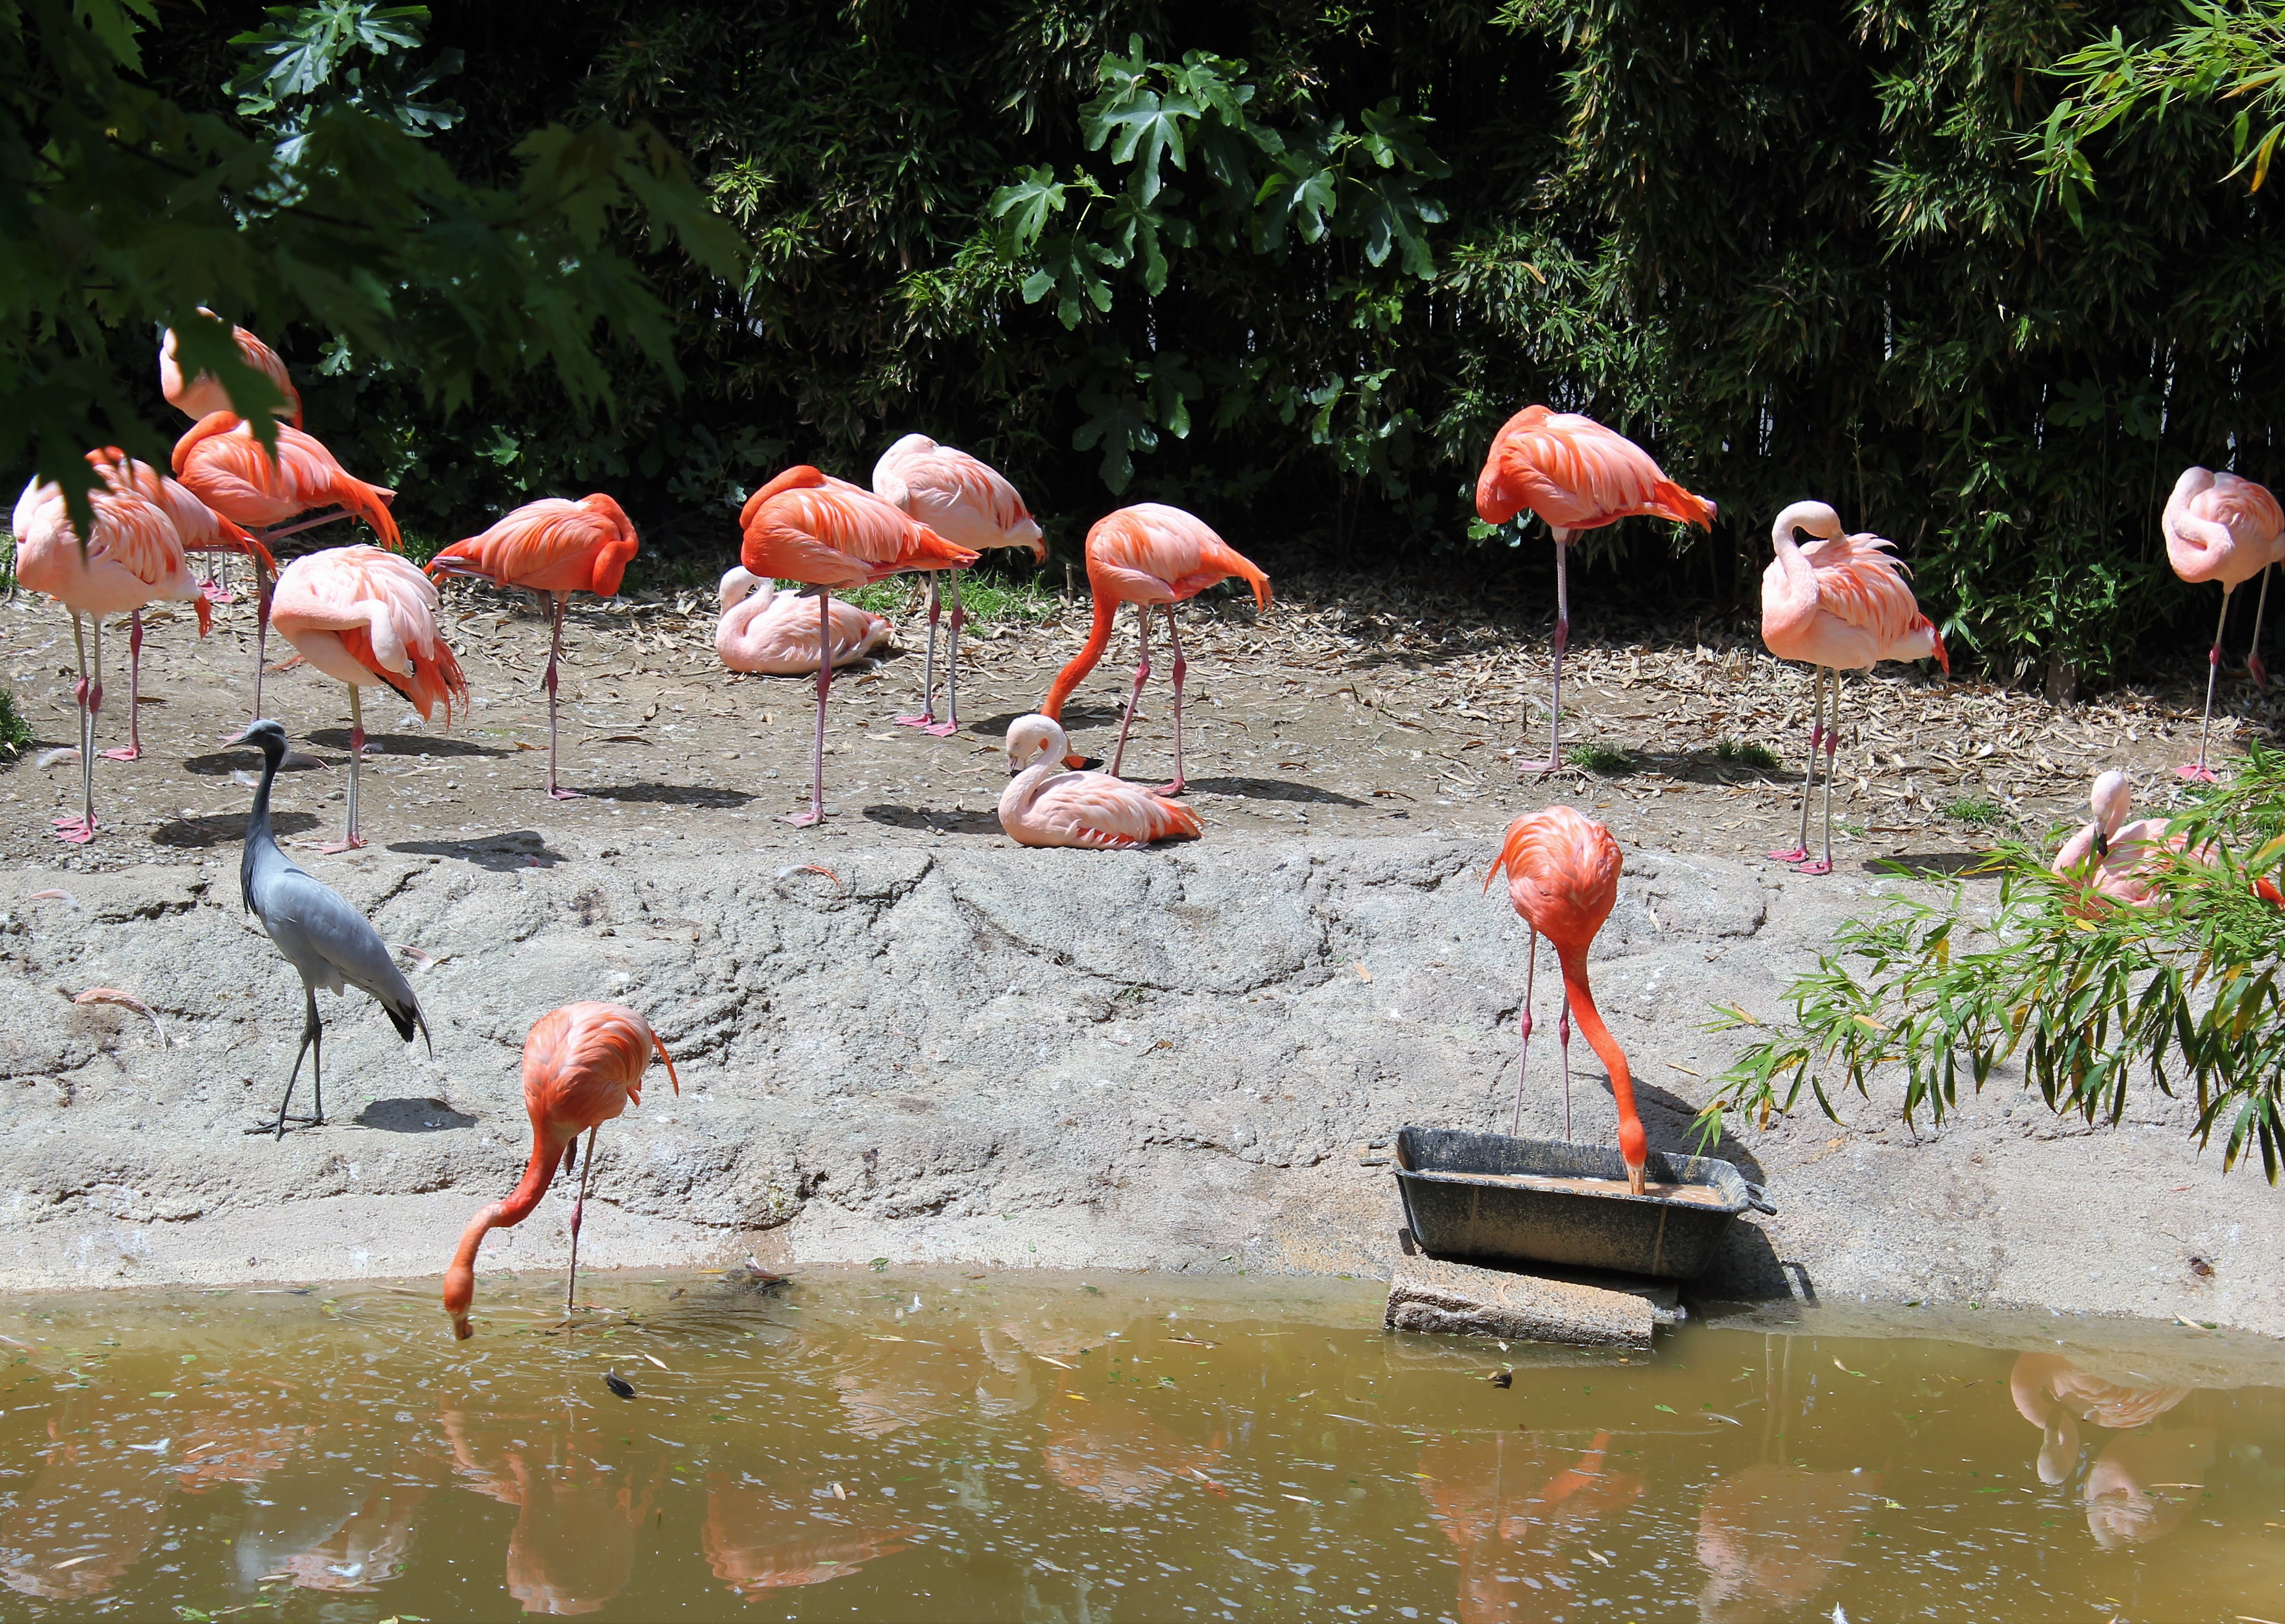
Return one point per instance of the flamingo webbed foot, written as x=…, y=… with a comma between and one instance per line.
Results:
x=923, y=721
x=1799, y=854
x=332, y=847
x=802, y=820
x=73, y=831
x=125, y=752
x=2196, y=773
x=556, y=793
x=1534, y=769
x=1176, y=788
x=1814, y=869
x=941, y=730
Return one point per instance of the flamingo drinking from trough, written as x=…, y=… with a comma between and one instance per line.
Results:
x=367, y=619
x=220, y=462
x=773, y=632
x=583, y=1064
x=1153, y=557
x=1839, y=604
x=969, y=504
x=1577, y=475
x=2219, y=528
x=824, y=532
x=553, y=546
x=1563, y=878
x=1048, y=806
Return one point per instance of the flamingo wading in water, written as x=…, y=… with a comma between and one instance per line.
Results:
x=1563, y=878
x=368, y=618
x=969, y=504
x=774, y=634
x=1048, y=806
x=2219, y=528
x=1153, y=557
x=1839, y=604
x=583, y=1064
x=1577, y=475
x=824, y=532
x=556, y=548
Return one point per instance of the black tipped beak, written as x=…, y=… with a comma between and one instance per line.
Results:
x=2101, y=844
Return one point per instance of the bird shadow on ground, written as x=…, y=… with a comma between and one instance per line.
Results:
x=949, y=823
x=1935, y=866
x=221, y=763
x=500, y=853
x=412, y=1116
x=199, y=833
x=403, y=744
x=673, y=795
x=1075, y=716
x=1699, y=766
x=1271, y=790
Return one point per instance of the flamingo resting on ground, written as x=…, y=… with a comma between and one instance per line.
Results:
x=1151, y=556
x=220, y=462
x=824, y=532
x=1839, y=604
x=969, y=504
x=773, y=632
x=203, y=395
x=1048, y=806
x=2115, y=859
x=1577, y=475
x=1563, y=877
x=132, y=556
x=553, y=546
x=365, y=618
x=583, y=1064
x=2219, y=528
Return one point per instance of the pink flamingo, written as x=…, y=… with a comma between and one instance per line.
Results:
x=2113, y=858
x=553, y=546
x=1048, y=805
x=1563, y=878
x=365, y=618
x=1151, y=556
x=969, y=504
x=2219, y=528
x=203, y=395
x=824, y=532
x=1577, y=475
x=131, y=557
x=772, y=632
x=1839, y=604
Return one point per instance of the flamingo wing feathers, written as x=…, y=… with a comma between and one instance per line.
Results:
x=834, y=534
x=1562, y=873
x=204, y=394
x=222, y=464
x=1577, y=475
x=584, y=1064
x=384, y=611
x=1096, y=810
x=1168, y=546
x=1860, y=584
x=961, y=497
x=551, y=546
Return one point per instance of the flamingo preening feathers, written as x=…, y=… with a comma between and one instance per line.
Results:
x=1049, y=805
x=203, y=395
x=1563, y=877
x=1577, y=475
x=2220, y=528
x=969, y=504
x=1839, y=604
x=774, y=634
x=553, y=546
x=2115, y=859
x=1153, y=557
x=824, y=532
x=583, y=1065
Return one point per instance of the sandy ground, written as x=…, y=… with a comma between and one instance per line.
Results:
x=933, y=1047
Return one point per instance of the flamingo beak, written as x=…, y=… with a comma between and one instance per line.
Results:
x=2101, y=844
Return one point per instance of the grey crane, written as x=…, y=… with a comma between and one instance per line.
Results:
x=320, y=934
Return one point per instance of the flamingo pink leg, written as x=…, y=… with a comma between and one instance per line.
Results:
x=1180, y=666
x=262, y=596
x=78, y=831
x=1133, y=699
x=1561, y=639
x=554, y=649
x=1563, y=1040
x=357, y=754
x=816, y=812
x=134, y=750
x=926, y=719
x=579, y=1210
x=1832, y=745
x=951, y=723
x=1523, y=1047
x=1800, y=852
x=2198, y=772
x=2254, y=667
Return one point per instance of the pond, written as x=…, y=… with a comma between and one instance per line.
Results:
x=941, y=1444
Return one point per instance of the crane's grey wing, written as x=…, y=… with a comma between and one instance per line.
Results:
x=332, y=945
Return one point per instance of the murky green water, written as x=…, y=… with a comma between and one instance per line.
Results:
x=1028, y=1447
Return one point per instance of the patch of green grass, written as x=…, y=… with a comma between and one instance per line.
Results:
x=15, y=733
x=1968, y=810
x=1748, y=753
x=1599, y=758
x=986, y=600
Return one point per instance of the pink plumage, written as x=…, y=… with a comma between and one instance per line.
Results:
x=1047, y=806
x=963, y=499
x=222, y=464
x=774, y=632
x=203, y=395
x=1577, y=475
x=1842, y=601
x=551, y=546
x=2221, y=528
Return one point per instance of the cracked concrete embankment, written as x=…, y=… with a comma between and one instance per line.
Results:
x=932, y=1054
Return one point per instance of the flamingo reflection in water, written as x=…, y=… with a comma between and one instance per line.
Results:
x=1769, y=1537
x=2141, y=1487
x=573, y=1547
x=768, y=1536
x=2055, y=1395
x=1118, y=1454
x=1513, y=1504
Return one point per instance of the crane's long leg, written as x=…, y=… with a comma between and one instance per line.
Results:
x=353, y=839
x=134, y=750
x=951, y=723
x=578, y=1208
x=816, y=812
x=1562, y=638
x=1523, y=1047
x=1133, y=699
x=927, y=717
x=1800, y=852
x=2198, y=772
x=78, y=831
x=1832, y=744
x=1180, y=666
x=310, y=1035
x=555, y=652
x=2254, y=667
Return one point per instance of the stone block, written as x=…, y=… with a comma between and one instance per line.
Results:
x=1433, y=1295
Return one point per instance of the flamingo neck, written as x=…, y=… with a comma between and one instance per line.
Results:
x=1098, y=638
x=1633, y=1143
x=547, y=1144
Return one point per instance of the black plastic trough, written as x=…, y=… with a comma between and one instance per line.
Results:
x=1460, y=1201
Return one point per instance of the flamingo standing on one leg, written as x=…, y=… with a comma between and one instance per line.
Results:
x=1577, y=475
x=1048, y=805
x=131, y=557
x=1563, y=877
x=2219, y=528
x=1151, y=556
x=1839, y=604
x=583, y=1064
x=366, y=617
x=824, y=532
x=220, y=462
x=969, y=504
x=772, y=632
x=553, y=546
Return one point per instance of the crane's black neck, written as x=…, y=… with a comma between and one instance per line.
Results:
x=259, y=841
